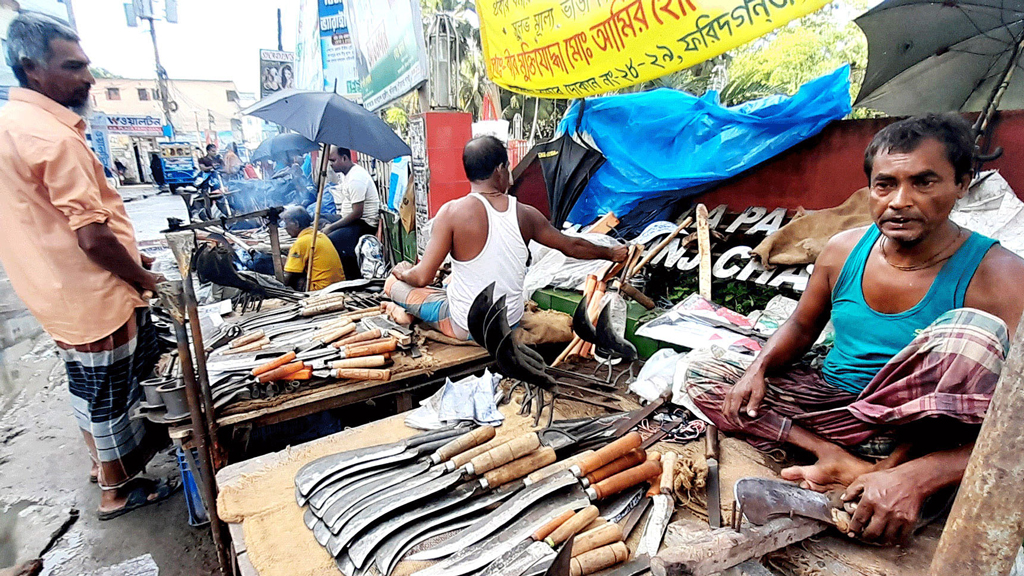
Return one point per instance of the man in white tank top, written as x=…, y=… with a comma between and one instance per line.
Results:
x=486, y=233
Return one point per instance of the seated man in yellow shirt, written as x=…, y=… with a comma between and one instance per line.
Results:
x=326, y=263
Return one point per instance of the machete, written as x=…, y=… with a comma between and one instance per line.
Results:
x=493, y=478
x=397, y=545
x=761, y=499
x=663, y=506
x=539, y=546
x=310, y=475
x=368, y=542
x=486, y=551
x=513, y=507
x=363, y=488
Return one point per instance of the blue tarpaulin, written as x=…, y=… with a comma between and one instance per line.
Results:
x=670, y=144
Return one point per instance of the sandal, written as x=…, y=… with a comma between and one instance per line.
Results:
x=140, y=496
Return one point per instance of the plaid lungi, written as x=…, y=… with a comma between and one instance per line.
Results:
x=103, y=378
x=949, y=370
x=427, y=303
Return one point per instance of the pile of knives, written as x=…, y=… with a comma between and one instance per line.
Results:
x=313, y=341
x=512, y=502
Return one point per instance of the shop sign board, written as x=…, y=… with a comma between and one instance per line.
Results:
x=734, y=235
x=277, y=71
x=577, y=48
x=390, y=52
x=142, y=126
x=309, y=68
x=336, y=49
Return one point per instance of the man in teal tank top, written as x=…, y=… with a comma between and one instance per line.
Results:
x=923, y=310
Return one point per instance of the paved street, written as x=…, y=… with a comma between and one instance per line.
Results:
x=45, y=465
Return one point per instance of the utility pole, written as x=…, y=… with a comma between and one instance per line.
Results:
x=143, y=10
x=280, y=47
x=161, y=75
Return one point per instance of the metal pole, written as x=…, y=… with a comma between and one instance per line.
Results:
x=171, y=293
x=324, y=149
x=280, y=47
x=275, y=246
x=986, y=525
x=981, y=124
x=161, y=76
x=192, y=309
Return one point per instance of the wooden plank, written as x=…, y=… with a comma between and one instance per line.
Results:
x=712, y=551
x=349, y=392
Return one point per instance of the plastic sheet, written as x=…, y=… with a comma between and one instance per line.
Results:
x=665, y=143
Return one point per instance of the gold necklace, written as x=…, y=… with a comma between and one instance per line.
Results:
x=927, y=263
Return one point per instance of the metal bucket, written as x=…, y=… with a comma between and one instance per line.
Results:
x=149, y=389
x=173, y=395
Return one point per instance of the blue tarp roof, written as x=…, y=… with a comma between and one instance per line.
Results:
x=670, y=144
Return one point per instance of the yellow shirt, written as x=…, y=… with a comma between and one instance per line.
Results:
x=51, y=184
x=326, y=262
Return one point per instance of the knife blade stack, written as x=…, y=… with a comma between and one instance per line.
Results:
x=513, y=501
x=316, y=340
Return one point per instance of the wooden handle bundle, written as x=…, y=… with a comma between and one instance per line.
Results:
x=573, y=525
x=504, y=453
x=598, y=559
x=519, y=467
x=468, y=440
x=601, y=536
x=361, y=374
x=608, y=453
x=374, y=361
x=361, y=337
x=275, y=363
x=247, y=339
x=281, y=372
x=632, y=458
x=625, y=479
x=251, y=346
x=545, y=530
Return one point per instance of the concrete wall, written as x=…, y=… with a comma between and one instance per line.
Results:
x=824, y=170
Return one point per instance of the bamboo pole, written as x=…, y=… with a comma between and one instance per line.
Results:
x=324, y=149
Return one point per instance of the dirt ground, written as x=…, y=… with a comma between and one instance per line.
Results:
x=44, y=468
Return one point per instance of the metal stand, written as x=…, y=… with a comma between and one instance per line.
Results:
x=172, y=296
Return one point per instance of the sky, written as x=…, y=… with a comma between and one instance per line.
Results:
x=213, y=39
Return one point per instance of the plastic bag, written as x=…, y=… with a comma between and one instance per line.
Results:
x=657, y=374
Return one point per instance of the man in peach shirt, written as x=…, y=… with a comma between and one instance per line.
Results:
x=70, y=252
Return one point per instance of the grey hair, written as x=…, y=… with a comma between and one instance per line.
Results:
x=29, y=37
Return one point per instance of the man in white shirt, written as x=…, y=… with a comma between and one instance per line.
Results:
x=359, y=206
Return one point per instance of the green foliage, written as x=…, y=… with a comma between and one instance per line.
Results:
x=741, y=297
x=99, y=72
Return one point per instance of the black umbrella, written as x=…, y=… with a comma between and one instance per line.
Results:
x=283, y=145
x=327, y=118
x=928, y=56
x=567, y=166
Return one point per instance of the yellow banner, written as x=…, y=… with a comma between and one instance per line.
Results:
x=577, y=48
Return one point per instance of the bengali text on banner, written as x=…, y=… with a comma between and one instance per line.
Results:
x=577, y=48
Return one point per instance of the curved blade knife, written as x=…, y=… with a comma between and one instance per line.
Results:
x=486, y=551
x=398, y=544
x=310, y=475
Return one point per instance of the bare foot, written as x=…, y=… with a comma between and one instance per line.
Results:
x=398, y=314
x=94, y=473
x=837, y=469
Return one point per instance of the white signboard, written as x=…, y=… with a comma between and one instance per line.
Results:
x=143, y=126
